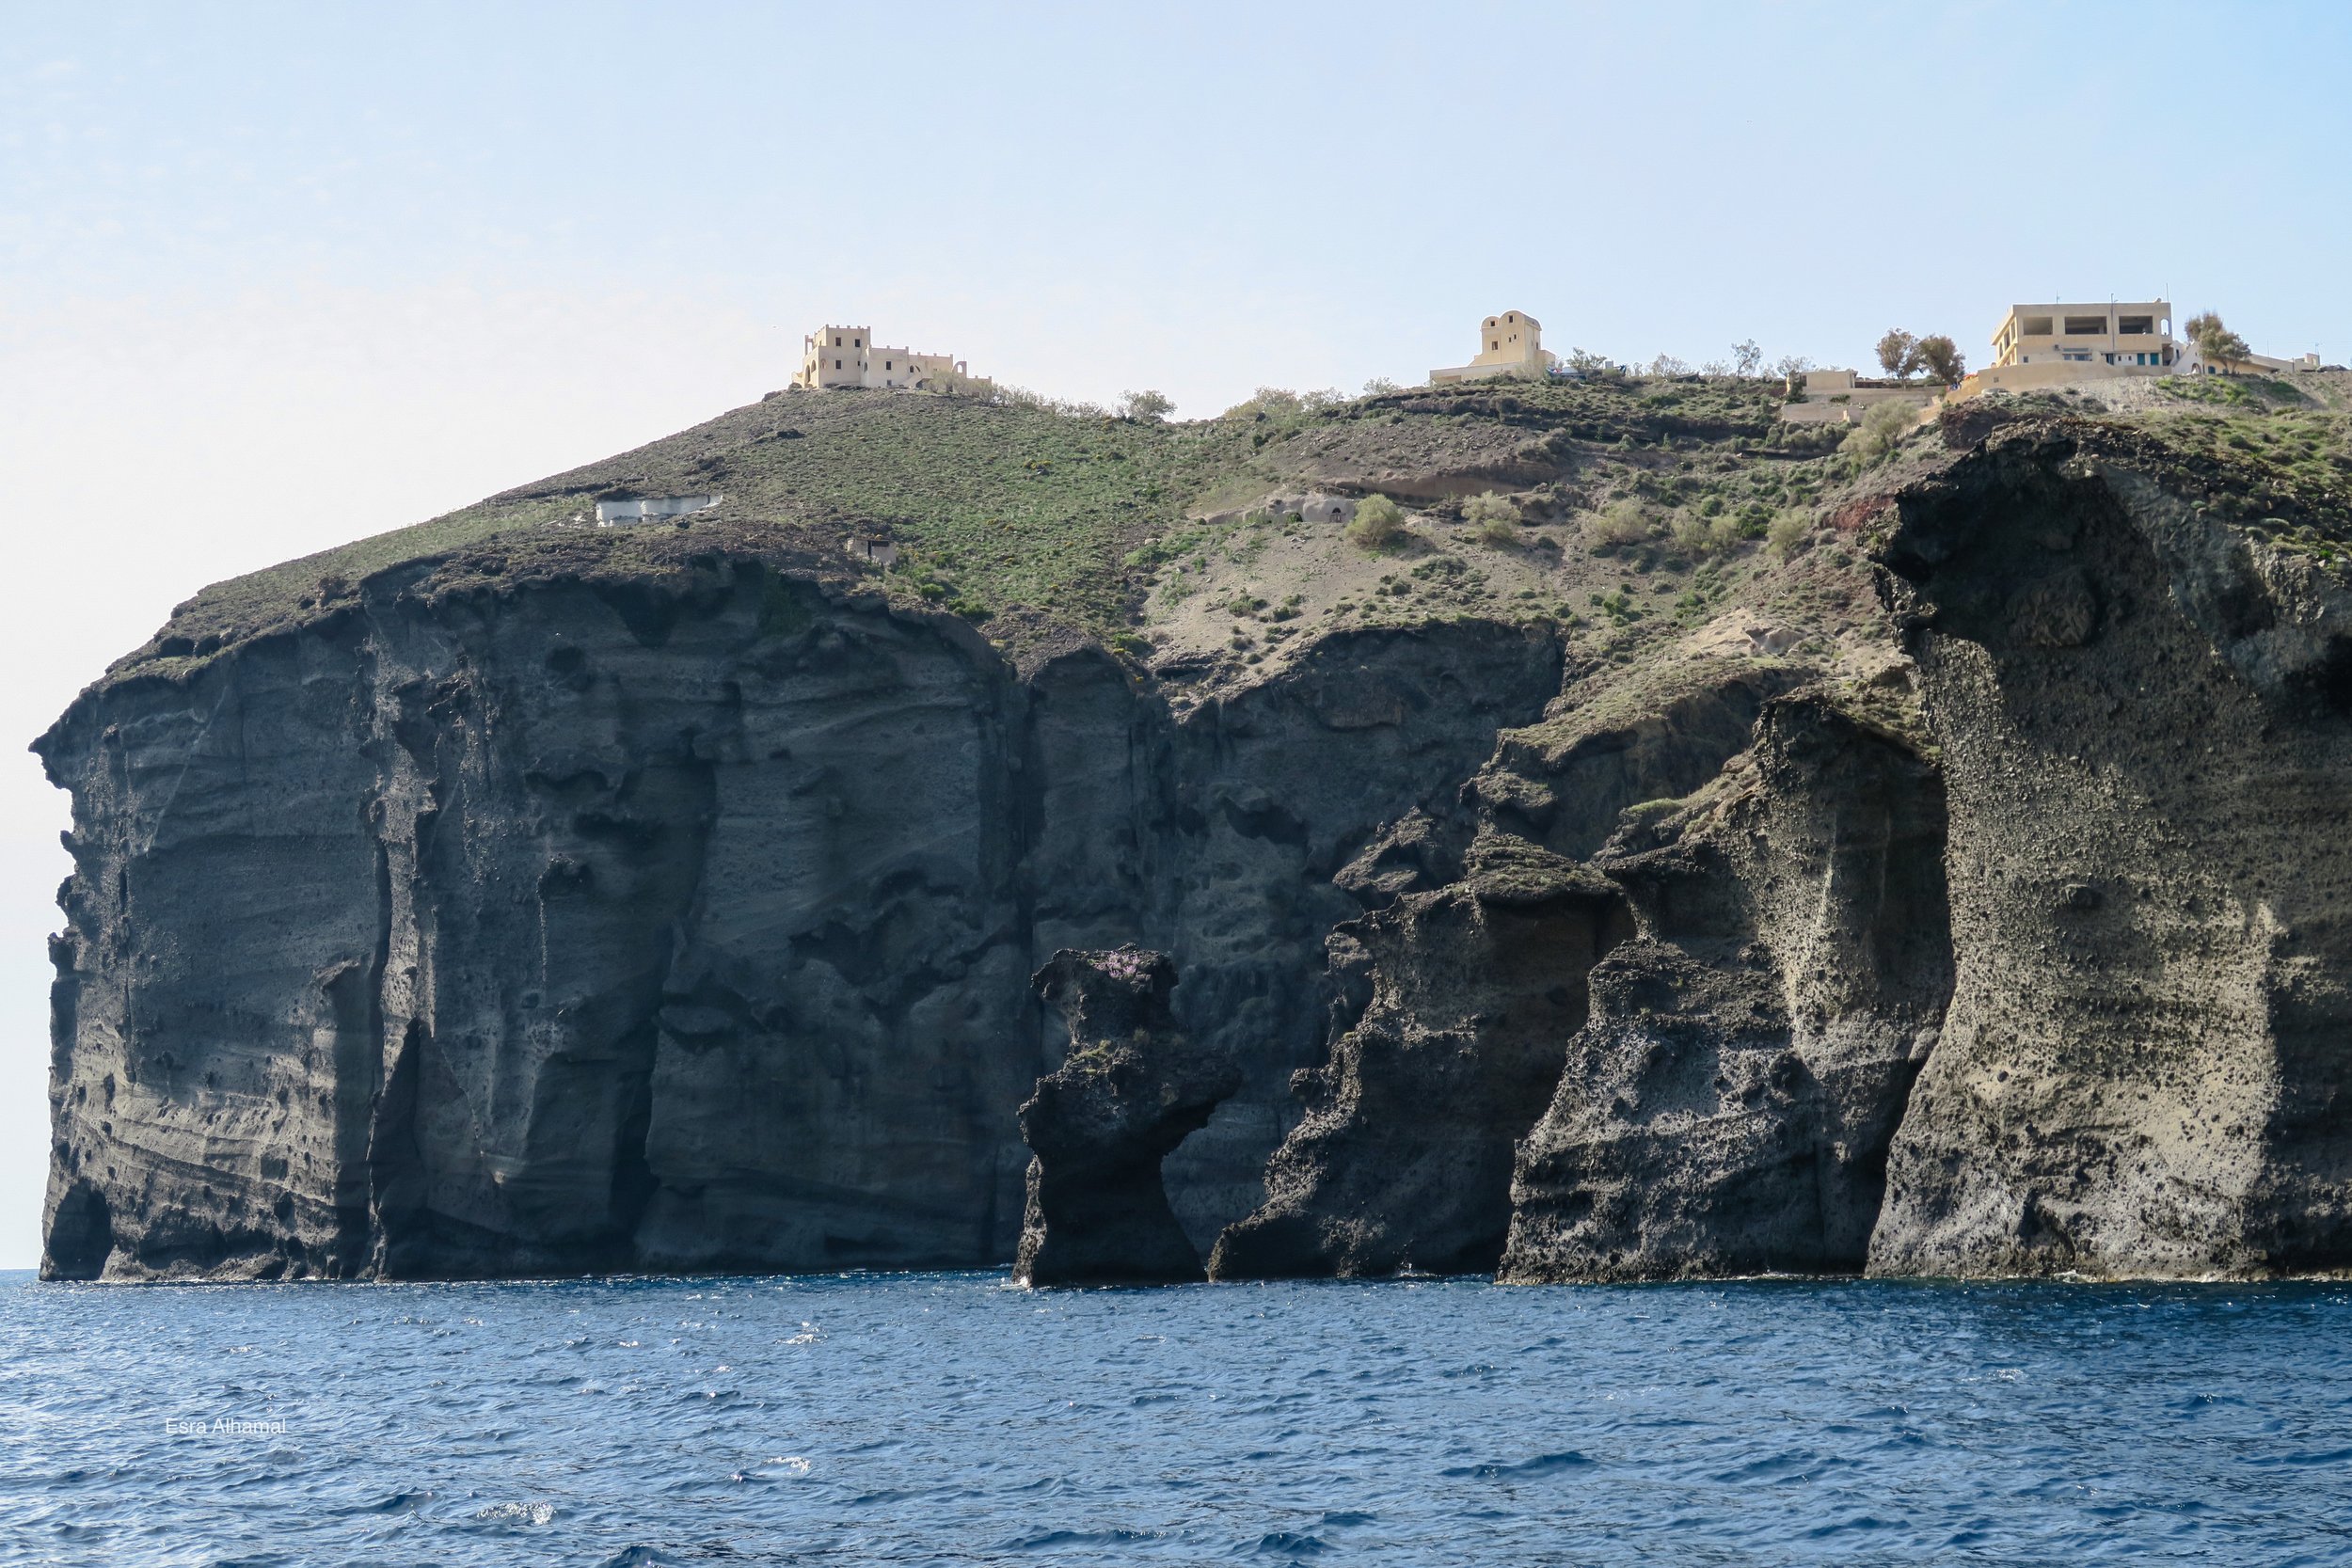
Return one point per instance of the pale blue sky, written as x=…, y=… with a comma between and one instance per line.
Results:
x=272, y=277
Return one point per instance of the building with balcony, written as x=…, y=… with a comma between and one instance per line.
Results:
x=2136, y=337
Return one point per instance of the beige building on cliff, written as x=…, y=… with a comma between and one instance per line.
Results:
x=2124, y=337
x=848, y=357
x=1511, y=343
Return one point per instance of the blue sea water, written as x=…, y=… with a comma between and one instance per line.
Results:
x=953, y=1418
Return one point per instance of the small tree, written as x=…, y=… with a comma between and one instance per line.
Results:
x=1583, y=361
x=1493, y=520
x=1898, y=354
x=1145, y=404
x=1377, y=522
x=1746, y=359
x=1941, y=359
x=1380, y=387
x=1666, y=364
x=2213, y=340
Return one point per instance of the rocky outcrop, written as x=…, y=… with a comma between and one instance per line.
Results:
x=1465, y=998
x=1133, y=1088
x=1727, y=1110
x=678, y=920
x=2143, y=714
x=671, y=905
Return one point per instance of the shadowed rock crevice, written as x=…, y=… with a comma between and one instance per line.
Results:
x=1133, y=1088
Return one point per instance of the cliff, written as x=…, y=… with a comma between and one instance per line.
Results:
x=1945, y=884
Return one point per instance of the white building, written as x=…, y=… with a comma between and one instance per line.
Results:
x=648, y=509
x=848, y=357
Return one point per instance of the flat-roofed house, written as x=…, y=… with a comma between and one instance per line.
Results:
x=2057, y=344
x=2135, y=337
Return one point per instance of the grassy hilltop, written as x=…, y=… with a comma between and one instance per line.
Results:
x=1630, y=512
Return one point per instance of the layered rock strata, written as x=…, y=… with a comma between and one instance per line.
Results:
x=1133, y=1088
x=679, y=921
x=1727, y=1110
x=2146, y=722
x=675, y=911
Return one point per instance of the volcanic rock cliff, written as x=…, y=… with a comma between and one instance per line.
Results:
x=1952, y=881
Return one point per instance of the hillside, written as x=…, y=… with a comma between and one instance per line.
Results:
x=1645, y=504
x=1044, y=519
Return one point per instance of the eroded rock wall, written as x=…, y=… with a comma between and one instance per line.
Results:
x=1728, y=1108
x=2144, y=1068
x=678, y=925
x=1453, y=1008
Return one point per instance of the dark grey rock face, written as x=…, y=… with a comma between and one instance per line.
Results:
x=1131, y=1088
x=2145, y=1068
x=677, y=924
x=1465, y=997
x=1727, y=1109
x=684, y=921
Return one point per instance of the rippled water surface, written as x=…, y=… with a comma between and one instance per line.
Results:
x=952, y=1419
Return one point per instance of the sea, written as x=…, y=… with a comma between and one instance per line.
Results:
x=958, y=1418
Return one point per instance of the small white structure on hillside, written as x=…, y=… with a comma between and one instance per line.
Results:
x=1511, y=343
x=848, y=357
x=648, y=509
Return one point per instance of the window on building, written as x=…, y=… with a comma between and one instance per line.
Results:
x=857, y=342
x=2136, y=325
x=2035, y=327
x=1492, y=344
x=836, y=364
x=836, y=339
x=2085, y=327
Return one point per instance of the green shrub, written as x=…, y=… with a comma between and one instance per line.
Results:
x=1621, y=522
x=1492, y=519
x=1377, y=522
x=1881, y=431
x=1700, y=537
x=1787, y=534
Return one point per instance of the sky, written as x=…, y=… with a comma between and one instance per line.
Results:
x=276, y=278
